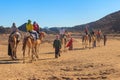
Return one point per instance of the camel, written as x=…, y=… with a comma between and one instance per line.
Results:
x=85, y=41
x=93, y=40
x=63, y=39
x=13, y=44
x=99, y=37
x=88, y=41
x=33, y=46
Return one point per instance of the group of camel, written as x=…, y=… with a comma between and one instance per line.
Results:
x=33, y=45
x=91, y=41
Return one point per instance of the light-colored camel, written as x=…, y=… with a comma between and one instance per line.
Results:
x=99, y=37
x=88, y=41
x=93, y=40
x=64, y=39
x=33, y=46
x=85, y=41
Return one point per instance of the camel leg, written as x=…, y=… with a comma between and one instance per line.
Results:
x=12, y=52
x=32, y=55
x=12, y=56
x=63, y=45
x=89, y=45
x=99, y=44
x=24, y=56
x=85, y=44
x=28, y=52
x=65, y=42
x=105, y=42
x=16, y=51
x=36, y=48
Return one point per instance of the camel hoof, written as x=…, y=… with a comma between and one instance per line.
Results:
x=12, y=58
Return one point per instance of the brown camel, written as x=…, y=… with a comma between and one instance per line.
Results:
x=12, y=45
x=33, y=46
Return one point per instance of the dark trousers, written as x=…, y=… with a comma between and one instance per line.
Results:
x=57, y=52
x=105, y=42
x=105, y=39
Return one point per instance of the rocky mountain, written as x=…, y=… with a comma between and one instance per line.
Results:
x=109, y=24
x=22, y=27
x=4, y=30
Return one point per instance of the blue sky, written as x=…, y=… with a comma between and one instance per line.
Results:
x=55, y=13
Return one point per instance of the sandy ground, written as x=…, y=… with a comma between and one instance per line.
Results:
x=100, y=63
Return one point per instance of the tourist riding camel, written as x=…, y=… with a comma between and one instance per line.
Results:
x=36, y=27
x=30, y=29
x=14, y=39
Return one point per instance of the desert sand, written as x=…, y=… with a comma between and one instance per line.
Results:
x=100, y=63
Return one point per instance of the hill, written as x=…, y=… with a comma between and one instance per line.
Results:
x=109, y=23
x=4, y=30
x=22, y=27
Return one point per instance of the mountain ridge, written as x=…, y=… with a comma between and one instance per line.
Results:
x=108, y=24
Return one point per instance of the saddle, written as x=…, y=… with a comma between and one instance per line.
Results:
x=32, y=36
x=11, y=39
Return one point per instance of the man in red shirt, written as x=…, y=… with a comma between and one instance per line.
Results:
x=36, y=27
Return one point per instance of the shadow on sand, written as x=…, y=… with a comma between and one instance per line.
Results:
x=9, y=62
x=79, y=49
x=47, y=59
x=49, y=53
x=6, y=60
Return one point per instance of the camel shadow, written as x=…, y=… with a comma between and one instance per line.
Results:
x=46, y=59
x=118, y=55
x=9, y=61
x=79, y=49
x=49, y=53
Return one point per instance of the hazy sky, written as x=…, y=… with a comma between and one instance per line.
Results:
x=55, y=12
